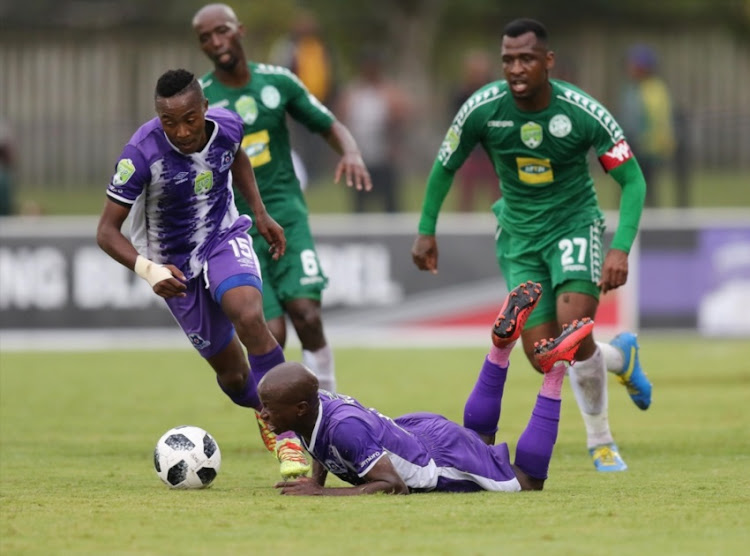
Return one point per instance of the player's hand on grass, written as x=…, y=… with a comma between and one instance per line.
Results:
x=171, y=287
x=273, y=233
x=614, y=271
x=353, y=168
x=424, y=253
x=304, y=486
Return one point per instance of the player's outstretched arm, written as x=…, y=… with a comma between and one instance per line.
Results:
x=381, y=478
x=244, y=180
x=351, y=165
x=166, y=280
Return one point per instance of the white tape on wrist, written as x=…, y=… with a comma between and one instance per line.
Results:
x=150, y=271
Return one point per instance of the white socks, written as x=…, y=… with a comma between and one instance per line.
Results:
x=613, y=358
x=320, y=362
x=588, y=379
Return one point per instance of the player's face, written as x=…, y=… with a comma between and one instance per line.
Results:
x=220, y=39
x=183, y=118
x=280, y=416
x=526, y=65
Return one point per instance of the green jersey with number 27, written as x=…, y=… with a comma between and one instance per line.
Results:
x=540, y=157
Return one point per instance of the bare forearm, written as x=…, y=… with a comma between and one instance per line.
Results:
x=319, y=473
x=340, y=139
x=117, y=246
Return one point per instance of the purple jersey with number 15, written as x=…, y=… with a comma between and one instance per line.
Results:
x=428, y=451
x=182, y=203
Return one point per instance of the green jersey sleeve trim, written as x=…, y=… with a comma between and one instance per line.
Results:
x=438, y=184
x=631, y=180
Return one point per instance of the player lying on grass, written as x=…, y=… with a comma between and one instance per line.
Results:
x=422, y=452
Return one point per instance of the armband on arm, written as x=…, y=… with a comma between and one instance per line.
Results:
x=150, y=271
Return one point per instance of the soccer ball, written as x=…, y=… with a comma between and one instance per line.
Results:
x=187, y=457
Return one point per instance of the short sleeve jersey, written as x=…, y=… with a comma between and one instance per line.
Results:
x=263, y=104
x=181, y=204
x=348, y=439
x=540, y=157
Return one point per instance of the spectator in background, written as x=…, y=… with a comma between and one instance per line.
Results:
x=477, y=175
x=376, y=110
x=647, y=118
x=7, y=186
x=304, y=50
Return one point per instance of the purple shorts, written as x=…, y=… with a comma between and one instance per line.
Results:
x=465, y=463
x=230, y=263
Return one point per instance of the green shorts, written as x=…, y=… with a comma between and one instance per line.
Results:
x=567, y=262
x=296, y=275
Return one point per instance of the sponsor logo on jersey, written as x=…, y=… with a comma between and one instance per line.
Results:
x=617, y=155
x=370, y=458
x=203, y=182
x=226, y=161
x=560, y=125
x=197, y=341
x=535, y=171
x=310, y=280
x=532, y=134
x=206, y=83
x=256, y=147
x=500, y=123
x=181, y=177
x=270, y=96
x=247, y=108
x=125, y=169
x=221, y=104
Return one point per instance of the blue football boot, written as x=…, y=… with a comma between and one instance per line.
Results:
x=632, y=375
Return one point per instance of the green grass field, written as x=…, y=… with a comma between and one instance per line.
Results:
x=77, y=431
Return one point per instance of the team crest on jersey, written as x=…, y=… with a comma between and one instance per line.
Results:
x=270, y=96
x=531, y=134
x=535, y=171
x=247, y=108
x=197, y=341
x=226, y=161
x=125, y=169
x=560, y=125
x=204, y=182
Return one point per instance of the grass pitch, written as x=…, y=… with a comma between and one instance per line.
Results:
x=77, y=432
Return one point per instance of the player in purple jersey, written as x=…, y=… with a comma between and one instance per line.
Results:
x=188, y=240
x=422, y=452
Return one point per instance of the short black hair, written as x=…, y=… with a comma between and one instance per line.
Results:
x=524, y=25
x=175, y=82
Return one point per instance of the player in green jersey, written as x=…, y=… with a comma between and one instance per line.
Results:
x=538, y=132
x=263, y=95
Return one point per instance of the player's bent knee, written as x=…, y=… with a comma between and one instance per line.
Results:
x=305, y=316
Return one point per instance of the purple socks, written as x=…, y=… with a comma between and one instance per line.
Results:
x=482, y=410
x=534, y=449
x=259, y=366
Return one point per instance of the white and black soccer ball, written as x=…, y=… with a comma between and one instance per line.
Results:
x=187, y=457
